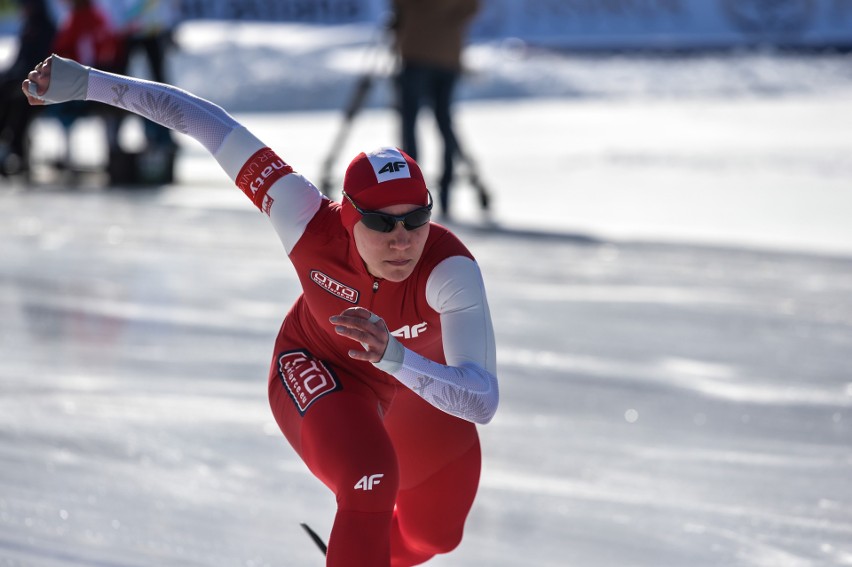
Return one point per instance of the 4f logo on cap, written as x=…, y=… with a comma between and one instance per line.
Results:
x=392, y=166
x=388, y=164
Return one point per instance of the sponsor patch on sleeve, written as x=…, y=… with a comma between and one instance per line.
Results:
x=258, y=174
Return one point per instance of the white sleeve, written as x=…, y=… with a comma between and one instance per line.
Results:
x=467, y=385
x=164, y=104
x=290, y=200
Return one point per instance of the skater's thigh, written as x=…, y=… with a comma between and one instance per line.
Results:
x=426, y=439
x=332, y=420
x=345, y=445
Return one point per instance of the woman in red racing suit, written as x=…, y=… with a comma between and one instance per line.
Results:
x=386, y=361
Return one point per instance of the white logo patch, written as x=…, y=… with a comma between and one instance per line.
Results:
x=389, y=164
x=410, y=331
x=368, y=482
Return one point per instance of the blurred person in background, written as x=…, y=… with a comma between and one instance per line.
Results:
x=34, y=40
x=386, y=361
x=148, y=27
x=87, y=35
x=429, y=38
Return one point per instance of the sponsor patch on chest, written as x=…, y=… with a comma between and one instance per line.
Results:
x=334, y=287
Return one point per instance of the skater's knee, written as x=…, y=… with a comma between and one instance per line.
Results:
x=444, y=541
x=436, y=539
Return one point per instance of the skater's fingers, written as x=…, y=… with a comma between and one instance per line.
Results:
x=373, y=346
x=365, y=355
x=357, y=312
x=30, y=90
x=354, y=333
x=37, y=82
x=369, y=337
x=358, y=317
x=367, y=328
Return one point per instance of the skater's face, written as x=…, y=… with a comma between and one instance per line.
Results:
x=391, y=255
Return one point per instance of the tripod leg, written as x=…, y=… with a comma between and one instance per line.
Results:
x=473, y=177
x=356, y=103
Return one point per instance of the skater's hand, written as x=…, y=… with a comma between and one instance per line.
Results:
x=36, y=83
x=360, y=325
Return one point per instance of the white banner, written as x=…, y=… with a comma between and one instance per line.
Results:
x=570, y=24
x=674, y=24
x=591, y=24
x=308, y=11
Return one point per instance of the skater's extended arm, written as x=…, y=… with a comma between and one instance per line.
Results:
x=254, y=168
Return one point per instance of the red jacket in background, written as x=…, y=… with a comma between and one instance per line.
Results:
x=88, y=37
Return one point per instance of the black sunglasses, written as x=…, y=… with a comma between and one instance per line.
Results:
x=383, y=222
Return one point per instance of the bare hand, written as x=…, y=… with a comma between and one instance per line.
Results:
x=38, y=79
x=364, y=327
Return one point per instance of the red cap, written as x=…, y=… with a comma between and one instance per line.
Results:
x=379, y=179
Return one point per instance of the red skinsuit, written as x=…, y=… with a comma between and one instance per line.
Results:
x=429, y=460
x=404, y=472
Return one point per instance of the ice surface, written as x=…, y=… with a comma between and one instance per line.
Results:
x=670, y=279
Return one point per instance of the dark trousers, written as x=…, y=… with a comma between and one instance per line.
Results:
x=420, y=85
x=154, y=47
x=15, y=117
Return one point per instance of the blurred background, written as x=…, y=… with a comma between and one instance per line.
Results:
x=665, y=241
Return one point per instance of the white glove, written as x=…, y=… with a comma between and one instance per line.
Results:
x=68, y=81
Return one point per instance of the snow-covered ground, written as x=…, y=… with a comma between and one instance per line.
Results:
x=670, y=277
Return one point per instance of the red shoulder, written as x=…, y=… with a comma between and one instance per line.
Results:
x=442, y=244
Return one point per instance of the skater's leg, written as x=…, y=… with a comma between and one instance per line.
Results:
x=430, y=517
x=439, y=459
x=346, y=447
x=341, y=438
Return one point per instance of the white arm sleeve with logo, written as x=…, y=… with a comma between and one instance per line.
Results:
x=466, y=386
x=295, y=199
